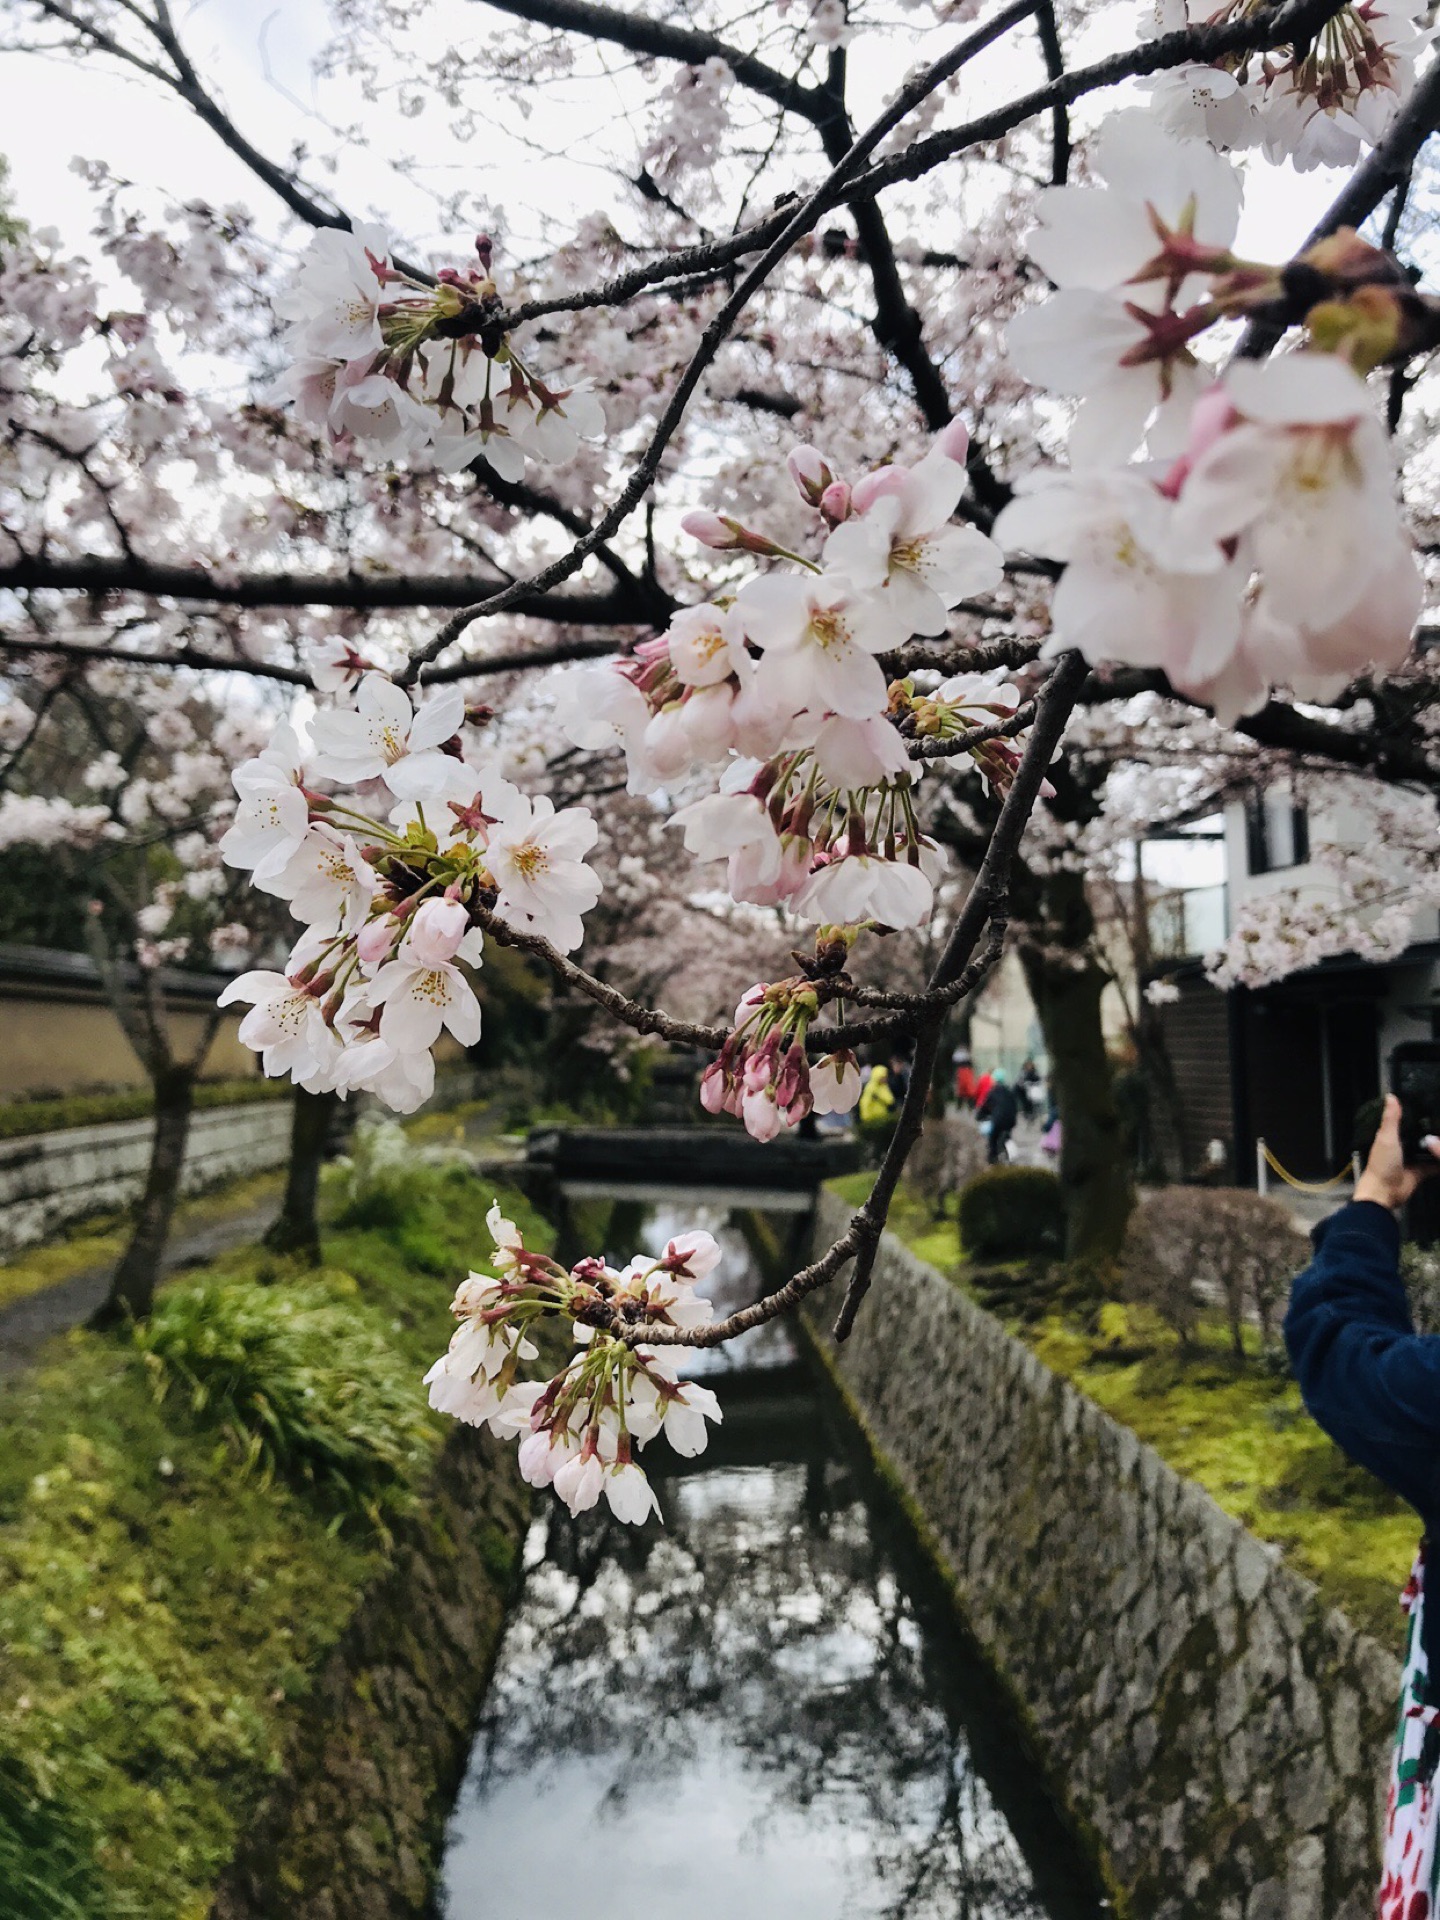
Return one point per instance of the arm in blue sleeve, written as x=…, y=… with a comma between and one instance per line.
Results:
x=1367, y=1377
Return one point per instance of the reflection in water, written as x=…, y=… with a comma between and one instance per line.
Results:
x=760, y=1708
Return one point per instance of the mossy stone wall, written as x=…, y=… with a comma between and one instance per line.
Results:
x=353, y=1827
x=1219, y=1731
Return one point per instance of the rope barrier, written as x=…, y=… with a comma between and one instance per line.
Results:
x=1304, y=1186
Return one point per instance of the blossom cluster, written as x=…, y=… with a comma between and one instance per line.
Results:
x=1315, y=104
x=388, y=905
x=1268, y=548
x=1364, y=892
x=963, y=704
x=778, y=687
x=404, y=368
x=763, y=1075
x=583, y=1427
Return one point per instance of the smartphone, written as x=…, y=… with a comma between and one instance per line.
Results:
x=1415, y=1077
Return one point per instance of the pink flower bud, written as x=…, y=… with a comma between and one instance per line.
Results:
x=712, y=1088
x=835, y=502
x=761, y=1116
x=437, y=930
x=792, y=1083
x=712, y=530
x=374, y=940
x=724, y=535
x=811, y=473
x=954, y=442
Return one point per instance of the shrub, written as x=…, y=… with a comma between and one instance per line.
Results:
x=53, y=1113
x=1191, y=1247
x=299, y=1378
x=949, y=1152
x=390, y=1186
x=1012, y=1213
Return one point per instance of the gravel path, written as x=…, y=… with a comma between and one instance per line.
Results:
x=26, y=1324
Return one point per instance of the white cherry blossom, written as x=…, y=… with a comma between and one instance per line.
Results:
x=385, y=737
x=819, y=637
x=418, y=998
x=286, y=1024
x=902, y=544
x=536, y=856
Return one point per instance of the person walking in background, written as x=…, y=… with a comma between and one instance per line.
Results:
x=965, y=1077
x=900, y=1064
x=1373, y=1384
x=1029, y=1090
x=1000, y=1109
x=877, y=1111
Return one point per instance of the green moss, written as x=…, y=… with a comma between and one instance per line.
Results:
x=933, y=1237
x=1238, y=1429
x=163, y=1615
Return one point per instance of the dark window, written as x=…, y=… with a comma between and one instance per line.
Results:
x=1277, y=832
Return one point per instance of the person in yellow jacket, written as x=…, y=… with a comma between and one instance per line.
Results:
x=878, y=1108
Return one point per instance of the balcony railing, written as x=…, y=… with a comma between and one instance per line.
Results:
x=1187, y=921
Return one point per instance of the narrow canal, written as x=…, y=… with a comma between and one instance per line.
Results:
x=764, y=1707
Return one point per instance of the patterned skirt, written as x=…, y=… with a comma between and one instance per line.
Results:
x=1411, y=1887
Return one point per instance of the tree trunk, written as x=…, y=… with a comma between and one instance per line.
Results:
x=133, y=1283
x=1066, y=982
x=296, y=1228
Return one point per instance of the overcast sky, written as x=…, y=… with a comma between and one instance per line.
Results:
x=259, y=61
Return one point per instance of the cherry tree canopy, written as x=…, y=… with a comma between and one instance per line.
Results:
x=900, y=430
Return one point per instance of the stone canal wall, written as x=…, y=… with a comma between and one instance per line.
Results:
x=1220, y=1732
x=353, y=1827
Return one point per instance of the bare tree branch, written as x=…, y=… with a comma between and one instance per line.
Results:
x=800, y=222
x=364, y=592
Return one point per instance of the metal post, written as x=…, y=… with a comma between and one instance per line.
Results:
x=1262, y=1171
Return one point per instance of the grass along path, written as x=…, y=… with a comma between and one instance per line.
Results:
x=174, y=1570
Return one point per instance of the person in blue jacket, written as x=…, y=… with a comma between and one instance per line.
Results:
x=1373, y=1384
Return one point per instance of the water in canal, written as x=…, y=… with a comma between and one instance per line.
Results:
x=763, y=1708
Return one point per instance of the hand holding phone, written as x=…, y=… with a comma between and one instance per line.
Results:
x=1387, y=1180
x=1415, y=1080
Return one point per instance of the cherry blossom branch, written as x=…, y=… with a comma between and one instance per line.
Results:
x=516, y=660
x=1253, y=32
x=689, y=1033
x=1250, y=33
x=1386, y=166
x=985, y=904
x=984, y=907
x=800, y=222
x=963, y=656
x=1388, y=754
x=182, y=79
x=1005, y=729
x=664, y=40
x=1054, y=57
x=20, y=645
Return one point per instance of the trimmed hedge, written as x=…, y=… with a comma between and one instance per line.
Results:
x=1011, y=1213
x=54, y=1114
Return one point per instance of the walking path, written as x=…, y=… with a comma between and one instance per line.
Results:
x=28, y=1322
